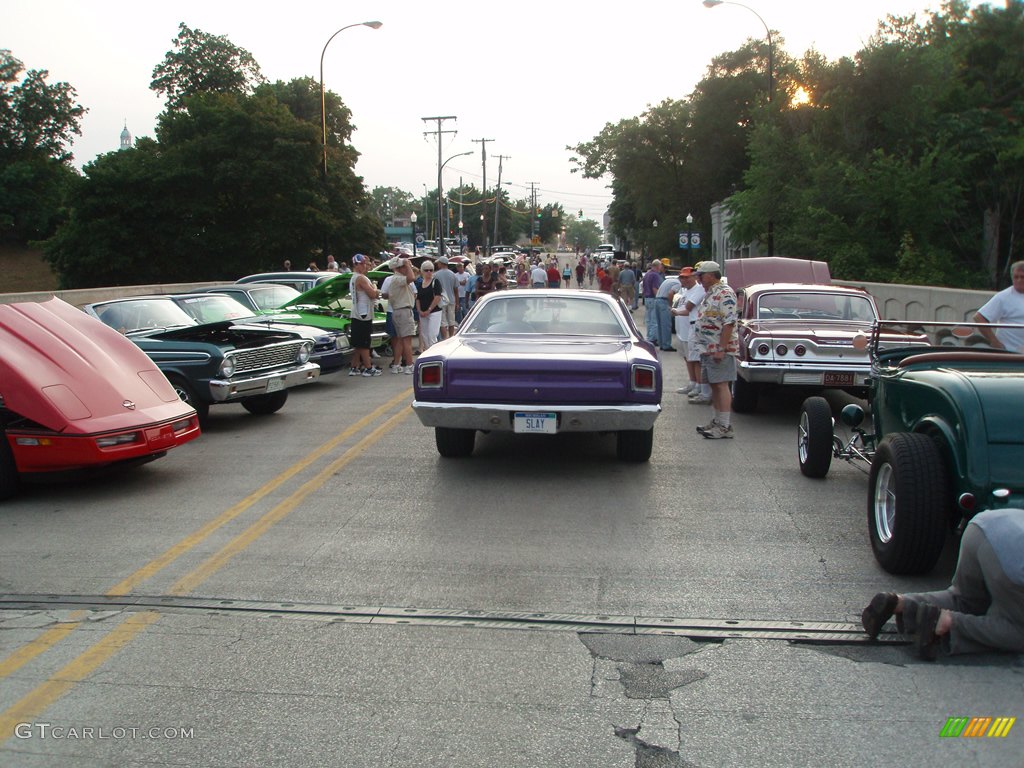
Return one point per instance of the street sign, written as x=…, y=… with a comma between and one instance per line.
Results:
x=419, y=239
x=695, y=240
x=684, y=240
x=689, y=240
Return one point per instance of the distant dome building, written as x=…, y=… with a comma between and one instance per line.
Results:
x=126, y=138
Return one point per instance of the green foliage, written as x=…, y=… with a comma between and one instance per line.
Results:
x=232, y=184
x=37, y=123
x=906, y=161
x=203, y=63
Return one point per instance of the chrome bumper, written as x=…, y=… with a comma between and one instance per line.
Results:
x=223, y=390
x=812, y=375
x=571, y=418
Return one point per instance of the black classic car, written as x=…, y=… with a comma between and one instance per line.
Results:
x=213, y=363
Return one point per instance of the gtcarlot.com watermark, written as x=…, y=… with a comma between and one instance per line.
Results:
x=97, y=732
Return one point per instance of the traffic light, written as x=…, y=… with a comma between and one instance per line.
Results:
x=538, y=213
x=580, y=214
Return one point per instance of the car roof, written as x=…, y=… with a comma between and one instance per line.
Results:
x=750, y=290
x=775, y=269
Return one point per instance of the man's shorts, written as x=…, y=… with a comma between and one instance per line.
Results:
x=448, y=315
x=712, y=372
x=404, y=325
x=360, y=333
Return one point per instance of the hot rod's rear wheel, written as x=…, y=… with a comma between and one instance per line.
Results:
x=814, y=437
x=264, y=405
x=744, y=395
x=908, y=503
x=634, y=445
x=8, y=470
x=454, y=443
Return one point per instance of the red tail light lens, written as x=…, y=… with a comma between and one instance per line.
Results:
x=643, y=378
x=431, y=375
x=781, y=350
x=800, y=350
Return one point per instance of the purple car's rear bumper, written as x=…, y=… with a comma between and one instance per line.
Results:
x=494, y=417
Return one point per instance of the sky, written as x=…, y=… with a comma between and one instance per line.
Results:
x=531, y=76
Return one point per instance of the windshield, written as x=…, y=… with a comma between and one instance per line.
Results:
x=143, y=314
x=272, y=296
x=804, y=305
x=212, y=308
x=575, y=316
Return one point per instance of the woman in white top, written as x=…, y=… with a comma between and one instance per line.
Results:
x=428, y=301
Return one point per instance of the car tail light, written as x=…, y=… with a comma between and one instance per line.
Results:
x=644, y=378
x=431, y=375
x=800, y=350
x=967, y=502
x=781, y=350
x=111, y=440
x=763, y=349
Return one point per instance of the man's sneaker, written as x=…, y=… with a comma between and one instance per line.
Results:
x=718, y=432
x=355, y=371
x=410, y=368
x=374, y=354
x=706, y=427
x=699, y=399
x=374, y=371
x=396, y=369
x=685, y=390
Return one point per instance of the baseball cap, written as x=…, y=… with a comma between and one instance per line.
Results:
x=686, y=272
x=442, y=260
x=708, y=266
x=358, y=258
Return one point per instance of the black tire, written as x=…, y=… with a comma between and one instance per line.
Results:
x=454, y=443
x=264, y=405
x=9, y=482
x=744, y=395
x=188, y=395
x=909, y=504
x=634, y=445
x=814, y=437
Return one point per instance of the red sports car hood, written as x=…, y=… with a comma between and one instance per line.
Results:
x=69, y=372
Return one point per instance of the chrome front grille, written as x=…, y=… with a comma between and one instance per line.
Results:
x=265, y=357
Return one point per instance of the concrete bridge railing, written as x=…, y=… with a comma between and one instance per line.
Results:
x=895, y=302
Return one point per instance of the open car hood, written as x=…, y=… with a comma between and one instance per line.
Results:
x=329, y=293
x=70, y=373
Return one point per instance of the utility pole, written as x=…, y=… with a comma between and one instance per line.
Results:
x=440, y=193
x=497, y=196
x=534, y=224
x=483, y=196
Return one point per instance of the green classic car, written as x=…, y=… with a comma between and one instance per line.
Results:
x=946, y=439
x=325, y=305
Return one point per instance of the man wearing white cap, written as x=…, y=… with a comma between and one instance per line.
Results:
x=715, y=339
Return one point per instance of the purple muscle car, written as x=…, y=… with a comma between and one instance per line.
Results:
x=541, y=362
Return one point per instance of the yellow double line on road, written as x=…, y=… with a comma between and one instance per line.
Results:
x=81, y=667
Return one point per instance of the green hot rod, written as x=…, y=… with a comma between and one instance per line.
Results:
x=946, y=439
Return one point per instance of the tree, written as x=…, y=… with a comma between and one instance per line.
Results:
x=204, y=63
x=37, y=123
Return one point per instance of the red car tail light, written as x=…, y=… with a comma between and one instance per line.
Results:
x=644, y=378
x=763, y=350
x=431, y=375
x=781, y=350
x=800, y=350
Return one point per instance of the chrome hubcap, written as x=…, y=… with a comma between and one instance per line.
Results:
x=885, y=504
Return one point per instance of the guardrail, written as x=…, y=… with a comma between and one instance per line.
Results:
x=895, y=301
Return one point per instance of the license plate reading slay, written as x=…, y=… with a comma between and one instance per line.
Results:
x=542, y=423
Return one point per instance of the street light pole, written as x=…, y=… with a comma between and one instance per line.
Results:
x=412, y=221
x=689, y=237
x=771, y=87
x=323, y=98
x=440, y=198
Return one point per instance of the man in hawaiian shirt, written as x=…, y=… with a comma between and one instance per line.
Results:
x=715, y=339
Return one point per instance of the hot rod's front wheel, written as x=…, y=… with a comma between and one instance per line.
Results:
x=814, y=437
x=908, y=503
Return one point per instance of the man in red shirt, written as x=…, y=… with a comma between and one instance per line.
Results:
x=554, y=276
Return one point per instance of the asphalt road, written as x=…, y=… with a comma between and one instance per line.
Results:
x=318, y=587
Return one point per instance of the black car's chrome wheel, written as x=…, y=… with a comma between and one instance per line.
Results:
x=814, y=437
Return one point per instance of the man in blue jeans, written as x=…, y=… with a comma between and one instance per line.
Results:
x=663, y=307
x=652, y=281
